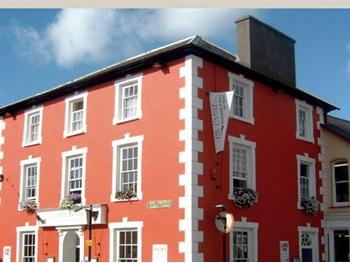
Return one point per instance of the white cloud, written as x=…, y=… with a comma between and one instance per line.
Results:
x=93, y=35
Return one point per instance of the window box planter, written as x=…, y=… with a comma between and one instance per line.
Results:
x=125, y=195
x=244, y=197
x=310, y=205
x=29, y=205
x=70, y=201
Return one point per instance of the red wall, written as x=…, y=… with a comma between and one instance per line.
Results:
x=160, y=166
x=274, y=133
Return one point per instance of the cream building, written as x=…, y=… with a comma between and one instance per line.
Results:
x=337, y=213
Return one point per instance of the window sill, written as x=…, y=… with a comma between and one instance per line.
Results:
x=116, y=121
x=247, y=120
x=335, y=206
x=137, y=198
x=31, y=144
x=66, y=135
x=306, y=139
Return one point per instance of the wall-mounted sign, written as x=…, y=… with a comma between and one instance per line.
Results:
x=284, y=251
x=160, y=204
x=160, y=253
x=224, y=222
x=6, y=254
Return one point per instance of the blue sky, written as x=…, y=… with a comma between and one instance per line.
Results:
x=40, y=49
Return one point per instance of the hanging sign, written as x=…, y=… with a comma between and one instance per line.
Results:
x=224, y=222
x=220, y=105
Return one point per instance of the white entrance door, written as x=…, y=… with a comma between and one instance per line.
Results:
x=71, y=244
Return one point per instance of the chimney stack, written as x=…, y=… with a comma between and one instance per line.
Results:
x=266, y=50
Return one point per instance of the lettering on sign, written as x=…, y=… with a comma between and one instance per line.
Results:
x=160, y=253
x=6, y=254
x=160, y=204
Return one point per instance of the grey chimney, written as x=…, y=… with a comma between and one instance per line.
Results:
x=266, y=50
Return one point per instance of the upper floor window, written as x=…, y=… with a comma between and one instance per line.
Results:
x=32, y=127
x=304, y=121
x=242, y=105
x=127, y=154
x=306, y=178
x=125, y=240
x=29, y=184
x=73, y=175
x=340, y=183
x=75, y=118
x=128, y=99
x=242, y=164
x=27, y=244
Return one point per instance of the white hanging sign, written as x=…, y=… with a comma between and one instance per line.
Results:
x=224, y=222
x=220, y=104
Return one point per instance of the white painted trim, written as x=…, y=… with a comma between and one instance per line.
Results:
x=113, y=227
x=67, y=132
x=116, y=144
x=248, y=86
x=309, y=115
x=62, y=232
x=65, y=155
x=23, y=229
x=315, y=249
x=305, y=159
x=253, y=227
x=117, y=119
x=27, y=113
x=24, y=163
x=250, y=145
x=189, y=158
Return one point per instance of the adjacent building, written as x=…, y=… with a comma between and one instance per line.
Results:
x=133, y=144
x=337, y=215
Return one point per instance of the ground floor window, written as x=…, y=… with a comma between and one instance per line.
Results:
x=243, y=242
x=125, y=241
x=27, y=244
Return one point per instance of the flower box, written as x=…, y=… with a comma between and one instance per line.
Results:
x=29, y=205
x=125, y=195
x=70, y=200
x=310, y=205
x=244, y=197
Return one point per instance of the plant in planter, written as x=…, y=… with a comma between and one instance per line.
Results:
x=29, y=205
x=310, y=205
x=244, y=197
x=70, y=201
x=125, y=195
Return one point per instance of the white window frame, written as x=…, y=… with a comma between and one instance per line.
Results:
x=335, y=203
x=20, y=230
x=251, y=163
x=248, y=85
x=305, y=159
x=315, y=249
x=26, y=132
x=64, y=180
x=116, y=145
x=309, y=128
x=119, y=85
x=252, y=229
x=23, y=164
x=67, y=119
x=114, y=227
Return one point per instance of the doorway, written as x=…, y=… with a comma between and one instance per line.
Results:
x=71, y=245
x=341, y=245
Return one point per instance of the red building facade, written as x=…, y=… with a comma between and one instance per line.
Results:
x=135, y=141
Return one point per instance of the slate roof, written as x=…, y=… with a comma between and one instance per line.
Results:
x=338, y=126
x=195, y=45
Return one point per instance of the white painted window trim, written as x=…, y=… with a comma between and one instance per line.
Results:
x=309, y=115
x=64, y=179
x=25, y=229
x=113, y=227
x=315, y=245
x=305, y=159
x=249, y=102
x=23, y=164
x=116, y=144
x=27, y=113
x=251, y=180
x=67, y=132
x=253, y=227
x=117, y=119
x=334, y=201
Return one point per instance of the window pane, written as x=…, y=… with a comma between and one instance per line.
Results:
x=342, y=192
x=341, y=173
x=240, y=246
